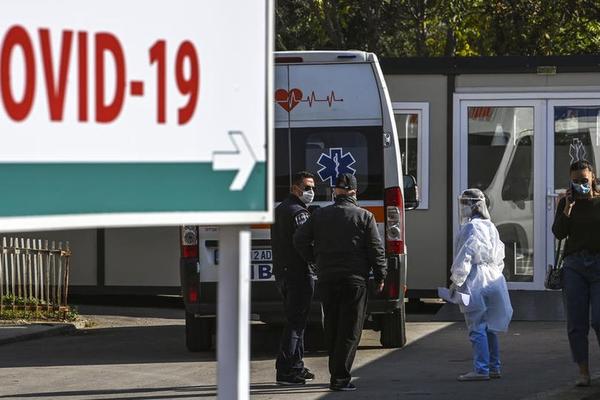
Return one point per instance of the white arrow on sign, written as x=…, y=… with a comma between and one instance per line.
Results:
x=242, y=159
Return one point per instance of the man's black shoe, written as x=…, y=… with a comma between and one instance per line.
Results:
x=306, y=374
x=347, y=387
x=290, y=380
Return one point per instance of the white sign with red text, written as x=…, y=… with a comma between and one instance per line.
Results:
x=177, y=90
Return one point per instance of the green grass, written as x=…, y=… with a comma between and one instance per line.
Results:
x=33, y=310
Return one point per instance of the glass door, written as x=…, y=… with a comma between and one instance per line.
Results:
x=573, y=135
x=502, y=145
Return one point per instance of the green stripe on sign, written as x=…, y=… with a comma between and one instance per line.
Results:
x=78, y=188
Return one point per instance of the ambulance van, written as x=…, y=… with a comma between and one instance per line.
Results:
x=332, y=115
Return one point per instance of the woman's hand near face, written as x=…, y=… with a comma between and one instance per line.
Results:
x=569, y=202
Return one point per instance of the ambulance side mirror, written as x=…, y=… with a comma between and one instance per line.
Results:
x=411, y=193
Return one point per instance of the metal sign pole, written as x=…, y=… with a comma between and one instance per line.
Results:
x=233, y=313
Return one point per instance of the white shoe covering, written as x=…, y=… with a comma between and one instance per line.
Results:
x=473, y=376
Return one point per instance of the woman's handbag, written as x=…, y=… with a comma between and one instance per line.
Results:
x=554, y=273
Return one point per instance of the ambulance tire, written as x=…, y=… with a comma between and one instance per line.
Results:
x=198, y=333
x=393, y=329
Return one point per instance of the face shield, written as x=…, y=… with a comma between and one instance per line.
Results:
x=471, y=204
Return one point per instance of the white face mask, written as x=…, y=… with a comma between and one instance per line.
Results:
x=308, y=196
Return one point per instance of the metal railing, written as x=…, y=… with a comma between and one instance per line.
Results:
x=34, y=275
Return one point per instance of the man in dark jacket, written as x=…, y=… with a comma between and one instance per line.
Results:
x=342, y=239
x=295, y=279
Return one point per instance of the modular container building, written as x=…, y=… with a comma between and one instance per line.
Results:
x=507, y=125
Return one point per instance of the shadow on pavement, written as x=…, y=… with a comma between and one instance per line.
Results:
x=124, y=345
x=142, y=394
x=178, y=392
x=271, y=388
x=535, y=358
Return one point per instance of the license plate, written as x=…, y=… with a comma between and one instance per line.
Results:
x=261, y=267
x=261, y=255
x=256, y=255
x=261, y=272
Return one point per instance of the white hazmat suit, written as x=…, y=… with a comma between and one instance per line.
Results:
x=477, y=271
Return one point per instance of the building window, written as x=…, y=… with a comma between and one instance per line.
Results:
x=412, y=124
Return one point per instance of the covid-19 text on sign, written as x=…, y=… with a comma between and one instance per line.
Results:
x=73, y=53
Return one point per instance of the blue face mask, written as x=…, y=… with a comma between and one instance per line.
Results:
x=584, y=188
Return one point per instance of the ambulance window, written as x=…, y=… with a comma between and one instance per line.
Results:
x=485, y=153
x=326, y=152
x=496, y=132
x=282, y=163
x=518, y=185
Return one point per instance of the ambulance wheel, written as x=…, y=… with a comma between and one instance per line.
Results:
x=393, y=329
x=198, y=332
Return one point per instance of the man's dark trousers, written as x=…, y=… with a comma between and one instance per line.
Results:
x=344, y=305
x=297, y=293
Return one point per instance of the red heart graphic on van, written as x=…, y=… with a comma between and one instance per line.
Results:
x=288, y=100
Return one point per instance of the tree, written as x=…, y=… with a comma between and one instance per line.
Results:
x=396, y=28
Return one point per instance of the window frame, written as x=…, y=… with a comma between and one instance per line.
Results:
x=422, y=110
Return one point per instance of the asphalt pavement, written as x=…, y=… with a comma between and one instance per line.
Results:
x=139, y=353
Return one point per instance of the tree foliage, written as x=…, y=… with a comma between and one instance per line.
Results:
x=396, y=28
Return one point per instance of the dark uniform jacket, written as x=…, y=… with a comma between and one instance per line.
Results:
x=342, y=239
x=289, y=215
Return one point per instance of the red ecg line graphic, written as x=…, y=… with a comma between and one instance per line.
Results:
x=313, y=99
x=290, y=99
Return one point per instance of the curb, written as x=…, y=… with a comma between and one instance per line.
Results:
x=53, y=330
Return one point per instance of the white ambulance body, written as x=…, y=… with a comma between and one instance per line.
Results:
x=332, y=115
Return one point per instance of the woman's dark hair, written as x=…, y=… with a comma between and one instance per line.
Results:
x=585, y=164
x=582, y=164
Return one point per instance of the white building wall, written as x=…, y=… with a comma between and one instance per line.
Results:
x=426, y=236
x=142, y=256
x=83, y=247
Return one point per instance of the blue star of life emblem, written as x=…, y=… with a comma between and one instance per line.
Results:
x=335, y=163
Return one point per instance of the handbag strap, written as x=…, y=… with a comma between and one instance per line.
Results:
x=557, y=257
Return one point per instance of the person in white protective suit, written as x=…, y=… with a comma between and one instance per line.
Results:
x=477, y=272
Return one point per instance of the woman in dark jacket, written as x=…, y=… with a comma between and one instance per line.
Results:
x=578, y=220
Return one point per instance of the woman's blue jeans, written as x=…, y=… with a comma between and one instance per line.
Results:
x=581, y=290
x=486, y=351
